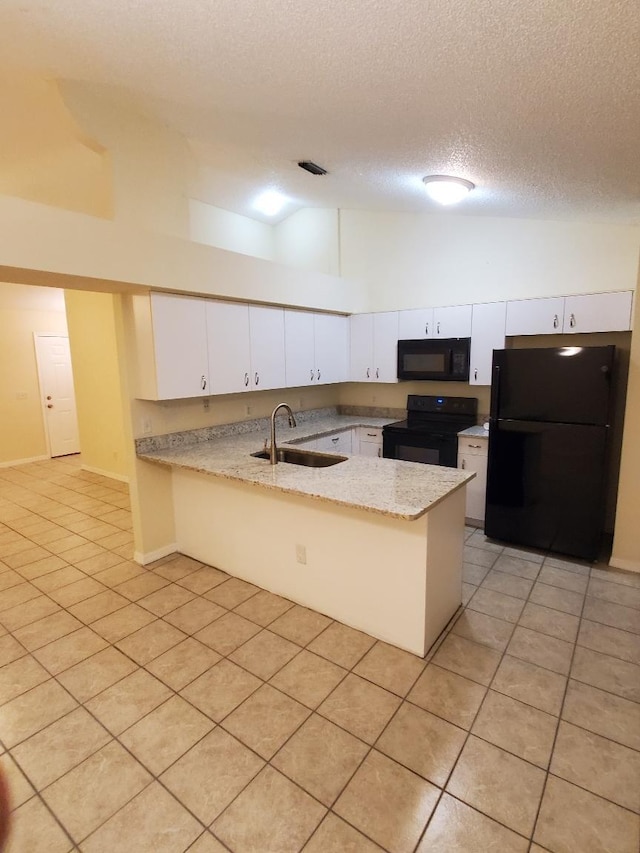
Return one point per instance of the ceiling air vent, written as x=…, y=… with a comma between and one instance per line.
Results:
x=308, y=166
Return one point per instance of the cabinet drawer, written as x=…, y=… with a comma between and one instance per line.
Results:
x=471, y=446
x=370, y=434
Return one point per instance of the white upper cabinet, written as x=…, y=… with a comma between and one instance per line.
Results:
x=300, y=366
x=487, y=334
x=374, y=347
x=331, y=335
x=598, y=312
x=415, y=324
x=266, y=328
x=180, y=346
x=361, y=347
x=535, y=316
x=229, y=347
x=453, y=322
x=316, y=348
x=385, y=347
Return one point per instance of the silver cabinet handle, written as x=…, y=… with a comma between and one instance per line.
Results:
x=372, y=435
x=426, y=328
x=318, y=375
x=377, y=373
x=438, y=328
x=203, y=381
x=311, y=375
x=368, y=373
x=555, y=321
x=475, y=373
x=477, y=446
x=380, y=452
x=246, y=380
x=257, y=379
x=572, y=321
x=462, y=464
x=334, y=440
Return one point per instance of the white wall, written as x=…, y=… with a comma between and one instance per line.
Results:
x=44, y=245
x=309, y=239
x=226, y=230
x=408, y=260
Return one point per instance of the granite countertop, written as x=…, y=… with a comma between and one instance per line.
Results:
x=388, y=487
x=475, y=432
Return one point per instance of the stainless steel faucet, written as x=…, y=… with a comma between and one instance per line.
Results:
x=273, y=452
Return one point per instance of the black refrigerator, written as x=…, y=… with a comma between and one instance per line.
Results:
x=549, y=427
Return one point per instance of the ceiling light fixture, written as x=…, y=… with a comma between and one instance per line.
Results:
x=446, y=189
x=270, y=202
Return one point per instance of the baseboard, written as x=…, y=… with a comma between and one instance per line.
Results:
x=152, y=556
x=627, y=565
x=24, y=461
x=121, y=477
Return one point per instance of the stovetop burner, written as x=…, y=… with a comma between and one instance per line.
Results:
x=438, y=414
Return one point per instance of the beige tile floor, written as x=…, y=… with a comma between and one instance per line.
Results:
x=173, y=708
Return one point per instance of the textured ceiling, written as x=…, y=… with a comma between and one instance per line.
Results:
x=535, y=101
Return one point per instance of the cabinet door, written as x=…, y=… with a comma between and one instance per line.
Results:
x=331, y=332
x=299, y=348
x=338, y=443
x=487, y=334
x=535, y=316
x=266, y=327
x=477, y=488
x=385, y=346
x=361, y=347
x=598, y=312
x=415, y=323
x=453, y=322
x=180, y=344
x=229, y=346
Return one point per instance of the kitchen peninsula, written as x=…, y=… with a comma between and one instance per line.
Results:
x=375, y=543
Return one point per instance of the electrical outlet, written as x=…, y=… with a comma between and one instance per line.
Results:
x=205, y=404
x=147, y=426
x=301, y=554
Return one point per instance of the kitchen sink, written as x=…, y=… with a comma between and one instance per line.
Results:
x=309, y=458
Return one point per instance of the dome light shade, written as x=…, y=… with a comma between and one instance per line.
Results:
x=447, y=190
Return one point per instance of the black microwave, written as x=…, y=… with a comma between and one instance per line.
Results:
x=439, y=359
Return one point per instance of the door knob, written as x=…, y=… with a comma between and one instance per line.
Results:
x=48, y=396
x=49, y=405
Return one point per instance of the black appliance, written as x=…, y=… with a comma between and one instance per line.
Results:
x=434, y=358
x=430, y=432
x=547, y=447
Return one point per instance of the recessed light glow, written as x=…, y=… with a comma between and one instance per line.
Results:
x=270, y=202
x=445, y=189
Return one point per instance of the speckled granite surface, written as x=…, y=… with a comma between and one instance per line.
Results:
x=385, y=486
x=475, y=432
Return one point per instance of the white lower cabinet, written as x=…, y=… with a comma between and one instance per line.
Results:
x=339, y=442
x=369, y=441
x=472, y=456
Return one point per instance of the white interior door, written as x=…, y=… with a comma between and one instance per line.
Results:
x=58, y=397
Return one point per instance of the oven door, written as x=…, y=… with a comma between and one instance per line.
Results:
x=426, y=447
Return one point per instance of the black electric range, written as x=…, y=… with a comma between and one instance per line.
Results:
x=430, y=432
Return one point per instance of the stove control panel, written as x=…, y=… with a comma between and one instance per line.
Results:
x=442, y=405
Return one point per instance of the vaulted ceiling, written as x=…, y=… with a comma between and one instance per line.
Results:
x=535, y=101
